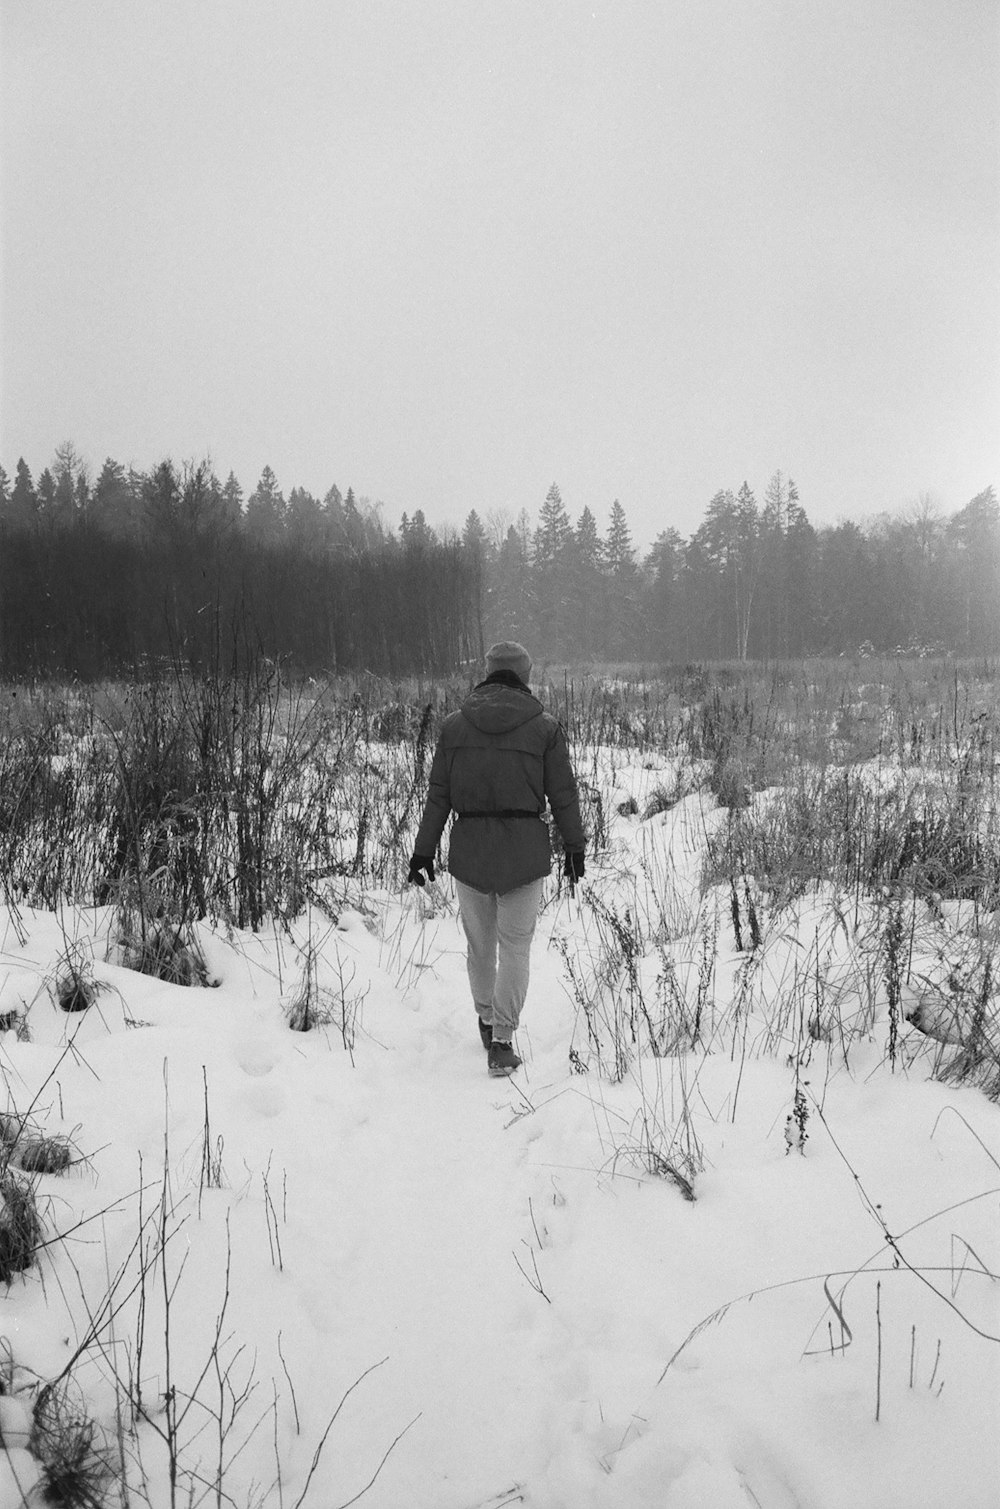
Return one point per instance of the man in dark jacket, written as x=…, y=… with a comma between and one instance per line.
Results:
x=497, y=762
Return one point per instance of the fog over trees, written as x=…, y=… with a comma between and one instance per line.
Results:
x=111, y=575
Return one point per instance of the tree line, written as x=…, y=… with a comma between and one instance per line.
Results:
x=112, y=575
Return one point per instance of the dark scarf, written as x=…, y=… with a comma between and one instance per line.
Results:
x=505, y=678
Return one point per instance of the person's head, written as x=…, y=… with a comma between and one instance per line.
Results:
x=508, y=656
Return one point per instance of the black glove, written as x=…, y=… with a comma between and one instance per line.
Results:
x=573, y=867
x=417, y=863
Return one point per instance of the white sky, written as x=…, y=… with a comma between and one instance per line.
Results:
x=450, y=251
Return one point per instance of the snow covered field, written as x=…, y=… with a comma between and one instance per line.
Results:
x=285, y=1263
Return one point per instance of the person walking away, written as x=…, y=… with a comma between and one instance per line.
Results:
x=498, y=760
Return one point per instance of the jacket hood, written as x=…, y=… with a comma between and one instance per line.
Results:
x=496, y=707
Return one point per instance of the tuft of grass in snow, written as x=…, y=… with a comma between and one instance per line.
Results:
x=20, y=1225
x=73, y=984
x=165, y=953
x=79, y=1469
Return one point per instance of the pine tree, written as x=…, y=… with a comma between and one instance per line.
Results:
x=619, y=555
x=552, y=575
x=554, y=530
x=231, y=504
x=162, y=498
x=204, y=514
x=113, y=506
x=474, y=539
x=800, y=552
x=46, y=496
x=353, y=525
x=265, y=515
x=475, y=547
x=772, y=614
x=419, y=535
x=710, y=568
x=975, y=535
x=589, y=551
x=586, y=608
x=623, y=615
x=305, y=520
x=747, y=564
x=23, y=498
x=333, y=514
x=663, y=567
x=509, y=613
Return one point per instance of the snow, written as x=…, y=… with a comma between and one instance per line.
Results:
x=545, y=1321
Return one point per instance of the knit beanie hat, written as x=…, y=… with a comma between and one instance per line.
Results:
x=508, y=656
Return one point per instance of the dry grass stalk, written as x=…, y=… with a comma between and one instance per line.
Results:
x=20, y=1226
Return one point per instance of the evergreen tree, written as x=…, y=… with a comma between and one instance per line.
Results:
x=619, y=555
x=553, y=577
x=231, y=509
x=475, y=548
x=265, y=516
x=305, y=521
x=843, y=600
x=554, y=531
x=333, y=518
x=161, y=495
x=772, y=615
x=353, y=526
x=23, y=498
x=416, y=533
x=586, y=611
x=975, y=535
x=798, y=636
x=205, y=517
x=747, y=565
x=113, y=506
x=46, y=497
x=589, y=553
x=662, y=596
x=623, y=622
x=474, y=539
x=510, y=601
x=711, y=568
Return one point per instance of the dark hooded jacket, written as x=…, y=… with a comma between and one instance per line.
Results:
x=501, y=754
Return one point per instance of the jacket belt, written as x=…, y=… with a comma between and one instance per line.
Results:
x=501, y=812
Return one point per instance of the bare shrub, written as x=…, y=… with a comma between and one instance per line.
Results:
x=867, y=832
x=336, y=1004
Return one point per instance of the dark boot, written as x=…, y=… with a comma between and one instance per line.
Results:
x=503, y=1060
x=485, y=1033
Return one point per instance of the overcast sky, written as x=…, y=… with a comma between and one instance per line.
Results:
x=451, y=251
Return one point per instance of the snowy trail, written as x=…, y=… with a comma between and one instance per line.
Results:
x=497, y=1252
x=427, y=1277
x=403, y=1196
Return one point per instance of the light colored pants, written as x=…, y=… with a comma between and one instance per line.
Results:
x=498, y=931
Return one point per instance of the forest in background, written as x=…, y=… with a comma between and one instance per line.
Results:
x=114, y=574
